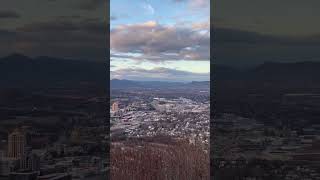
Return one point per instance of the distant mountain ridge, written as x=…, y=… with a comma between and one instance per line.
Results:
x=17, y=70
x=120, y=84
x=270, y=71
x=297, y=76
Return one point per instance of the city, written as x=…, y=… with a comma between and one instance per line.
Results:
x=160, y=119
x=178, y=118
x=46, y=137
x=160, y=90
x=266, y=127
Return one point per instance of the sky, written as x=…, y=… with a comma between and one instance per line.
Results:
x=168, y=34
x=160, y=40
x=72, y=29
x=248, y=33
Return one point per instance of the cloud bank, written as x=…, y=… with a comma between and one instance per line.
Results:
x=244, y=48
x=9, y=14
x=156, y=42
x=84, y=39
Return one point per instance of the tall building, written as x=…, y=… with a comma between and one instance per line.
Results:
x=2, y=154
x=115, y=106
x=75, y=136
x=30, y=161
x=17, y=143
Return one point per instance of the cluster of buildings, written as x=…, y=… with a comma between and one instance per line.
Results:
x=262, y=169
x=58, y=161
x=181, y=118
x=181, y=105
x=243, y=139
x=19, y=158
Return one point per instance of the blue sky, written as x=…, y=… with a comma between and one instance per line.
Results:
x=168, y=37
x=163, y=11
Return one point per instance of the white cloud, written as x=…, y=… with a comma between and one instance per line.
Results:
x=157, y=42
x=148, y=8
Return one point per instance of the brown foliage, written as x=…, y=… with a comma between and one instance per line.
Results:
x=154, y=161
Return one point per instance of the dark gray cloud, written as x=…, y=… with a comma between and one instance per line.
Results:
x=156, y=42
x=91, y=4
x=9, y=14
x=84, y=39
x=242, y=48
x=158, y=74
x=57, y=28
x=7, y=41
x=248, y=33
x=84, y=4
x=285, y=17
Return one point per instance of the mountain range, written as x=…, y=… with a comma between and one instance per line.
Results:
x=17, y=70
x=271, y=71
x=270, y=76
x=120, y=84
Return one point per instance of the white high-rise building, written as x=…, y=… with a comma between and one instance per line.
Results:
x=115, y=107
